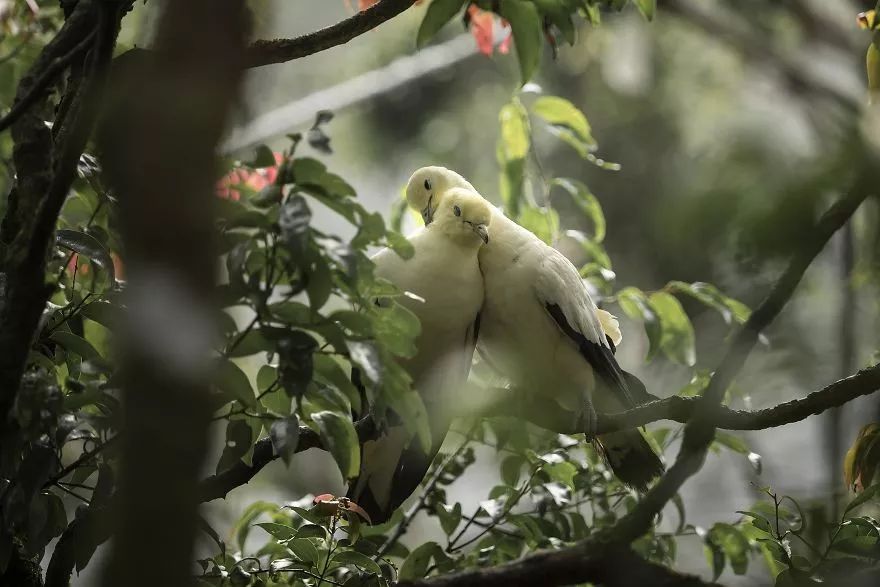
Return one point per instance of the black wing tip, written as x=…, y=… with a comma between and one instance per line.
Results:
x=631, y=458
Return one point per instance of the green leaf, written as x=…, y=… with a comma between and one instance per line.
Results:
x=584, y=199
x=560, y=112
x=510, y=469
x=863, y=497
x=734, y=443
x=635, y=304
x=331, y=373
x=677, y=340
x=528, y=34
x=243, y=526
x=339, y=437
x=647, y=8
x=511, y=152
x=320, y=283
x=396, y=329
x=278, y=531
x=416, y=564
x=263, y=157
x=104, y=313
x=312, y=531
x=362, y=561
x=87, y=246
x=238, y=443
x=284, y=435
x=229, y=378
x=307, y=170
x=449, y=516
x=75, y=344
x=543, y=222
x=711, y=296
x=759, y=521
x=295, y=349
x=438, y=14
x=400, y=244
x=304, y=550
x=734, y=544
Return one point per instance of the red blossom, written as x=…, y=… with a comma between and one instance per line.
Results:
x=482, y=28
x=255, y=179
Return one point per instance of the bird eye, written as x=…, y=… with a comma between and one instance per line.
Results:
x=428, y=184
x=456, y=210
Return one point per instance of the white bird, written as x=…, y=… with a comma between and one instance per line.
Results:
x=445, y=274
x=541, y=329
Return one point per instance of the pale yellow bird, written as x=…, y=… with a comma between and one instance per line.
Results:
x=541, y=329
x=445, y=277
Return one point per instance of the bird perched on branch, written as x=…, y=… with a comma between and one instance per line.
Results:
x=541, y=329
x=445, y=277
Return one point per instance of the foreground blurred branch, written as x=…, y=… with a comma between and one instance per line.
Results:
x=159, y=141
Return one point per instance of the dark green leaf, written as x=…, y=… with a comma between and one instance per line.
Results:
x=75, y=344
x=339, y=437
x=438, y=14
x=416, y=564
x=263, y=157
x=635, y=304
x=304, y=550
x=87, y=246
x=238, y=443
x=230, y=379
x=528, y=34
x=511, y=151
x=295, y=367
x=352, y=557
x=278, y=531
x=450, y=516
x=312, y=531
x=677, y=339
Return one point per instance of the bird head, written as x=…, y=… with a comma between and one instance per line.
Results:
x=427, y=186
x=462, y=215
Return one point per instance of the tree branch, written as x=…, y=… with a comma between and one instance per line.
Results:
x=590, y=562
x=43, y=177
x=280, y=50
x=217, y=486
x=681, y=409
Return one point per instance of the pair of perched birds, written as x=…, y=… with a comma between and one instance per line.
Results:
x=485, y=281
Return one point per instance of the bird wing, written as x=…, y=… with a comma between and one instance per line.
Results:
x=561, y=292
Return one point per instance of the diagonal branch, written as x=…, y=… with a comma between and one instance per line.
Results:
x=280, y=50
x=681, y=409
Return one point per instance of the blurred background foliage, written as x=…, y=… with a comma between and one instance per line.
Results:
x=722, y=128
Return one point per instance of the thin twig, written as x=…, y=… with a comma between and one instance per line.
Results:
x=48, y=75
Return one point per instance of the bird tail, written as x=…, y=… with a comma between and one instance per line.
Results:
x=630, y=457
x=391, y=471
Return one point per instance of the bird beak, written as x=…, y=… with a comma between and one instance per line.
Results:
x=482, y=232
x=427, y=212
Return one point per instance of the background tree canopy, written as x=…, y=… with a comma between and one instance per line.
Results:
x=185, y=285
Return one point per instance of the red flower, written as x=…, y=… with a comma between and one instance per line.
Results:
x=255, y=179
x=482, y=28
